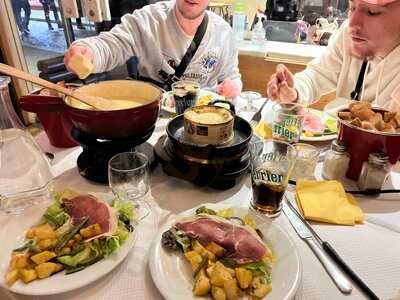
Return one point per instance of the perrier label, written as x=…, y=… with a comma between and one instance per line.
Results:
x=288, y=129
x=266, y=176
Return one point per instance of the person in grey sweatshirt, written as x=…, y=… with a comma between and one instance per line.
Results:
x=159, y=36
x=370, y=37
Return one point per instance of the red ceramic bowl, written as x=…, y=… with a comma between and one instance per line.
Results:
x=362, y=142
x=113, y=124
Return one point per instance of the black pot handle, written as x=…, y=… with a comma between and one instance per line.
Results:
x=231, y=106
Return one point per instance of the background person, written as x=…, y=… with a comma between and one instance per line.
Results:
x=18, y=7
x=370, y=37
x=159, y=36
x=47, y=6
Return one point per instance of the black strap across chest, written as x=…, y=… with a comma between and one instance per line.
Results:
x=355, y=95
x=169, y=79
x=194, y=45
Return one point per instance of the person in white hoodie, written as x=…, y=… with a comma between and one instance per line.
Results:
x=369, y=40
x=159, y=36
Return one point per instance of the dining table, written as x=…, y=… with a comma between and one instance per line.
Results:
x=371, y=249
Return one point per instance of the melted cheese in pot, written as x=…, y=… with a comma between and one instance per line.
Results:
x=116, y=104
x=208, y=117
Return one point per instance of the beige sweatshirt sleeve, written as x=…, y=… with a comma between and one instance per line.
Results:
x=115, y=47
x=322, y=73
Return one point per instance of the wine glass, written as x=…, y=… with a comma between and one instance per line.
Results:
x=129, y=179
x=250, y=97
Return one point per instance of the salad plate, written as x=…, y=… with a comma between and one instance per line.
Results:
x=319, y=126
x=173, y=276
x=205, y=96
x=13, y=235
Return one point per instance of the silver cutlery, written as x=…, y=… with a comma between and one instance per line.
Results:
x=333, y=271
x=335, y=256
x=257, y=116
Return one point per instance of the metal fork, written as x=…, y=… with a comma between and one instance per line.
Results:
x=257, y=116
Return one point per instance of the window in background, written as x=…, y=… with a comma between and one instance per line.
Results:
x=304, y=21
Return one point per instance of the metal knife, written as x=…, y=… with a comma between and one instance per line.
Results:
x=333, y=271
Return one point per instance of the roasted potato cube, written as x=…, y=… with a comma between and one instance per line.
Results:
x=70, y=243
x=13, y=261
x=216, y=249
x=219, y=275
x=262, y=291
x=59, y=267
x=345, y=115
x=47, y=244
x=12, y=277
x=194, y=259
x=244, y=277
x=218, y=293
x=65, y=251
x=90, y=231
x=30, y=234
x=356, y=122
x=231, y=289
x=202, y=286
x=200, y=249
x=44, y=231
x=27, y=275
x=42, y=257
x=21, y=261
x=387, y=116
x=77, y=237
x=397, y=119
x=210, y=269
x=364, y=114
x=44, y=270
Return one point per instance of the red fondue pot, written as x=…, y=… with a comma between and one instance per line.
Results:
x=112, y=124
x=361, y=142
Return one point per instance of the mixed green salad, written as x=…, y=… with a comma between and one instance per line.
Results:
x=75, y=231
x=225, y=252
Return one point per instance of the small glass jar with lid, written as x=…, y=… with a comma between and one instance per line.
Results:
x=374, y=172
x=336, y=161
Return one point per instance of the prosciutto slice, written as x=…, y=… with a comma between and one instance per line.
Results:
x=98, y=212
x=242, y=243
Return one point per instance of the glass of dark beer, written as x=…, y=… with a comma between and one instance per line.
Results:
x=185, y=94
x=272, y=163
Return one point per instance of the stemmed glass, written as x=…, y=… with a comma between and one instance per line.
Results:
x=129, y=179
x=250, y=97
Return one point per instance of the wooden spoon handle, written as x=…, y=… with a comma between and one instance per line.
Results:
x=6, y=69
x=94, y=102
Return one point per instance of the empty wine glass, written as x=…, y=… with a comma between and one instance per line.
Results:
x=129, y=179
x=250, y=97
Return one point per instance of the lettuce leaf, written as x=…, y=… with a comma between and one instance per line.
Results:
x=55, y=215
x=259, y=269
x=64, y=194
x=122, y=233
x=124, y=209
x=183, y=240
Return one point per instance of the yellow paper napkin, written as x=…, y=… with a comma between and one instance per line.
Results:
x=326, y=201
x=263, y=130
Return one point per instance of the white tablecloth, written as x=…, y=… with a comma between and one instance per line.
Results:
x=371, y=250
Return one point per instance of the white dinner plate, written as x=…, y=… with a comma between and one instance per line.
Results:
x=202, y=93
x=173, y=276
x=12, y=236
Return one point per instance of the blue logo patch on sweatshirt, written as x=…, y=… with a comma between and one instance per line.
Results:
x=209, y=61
